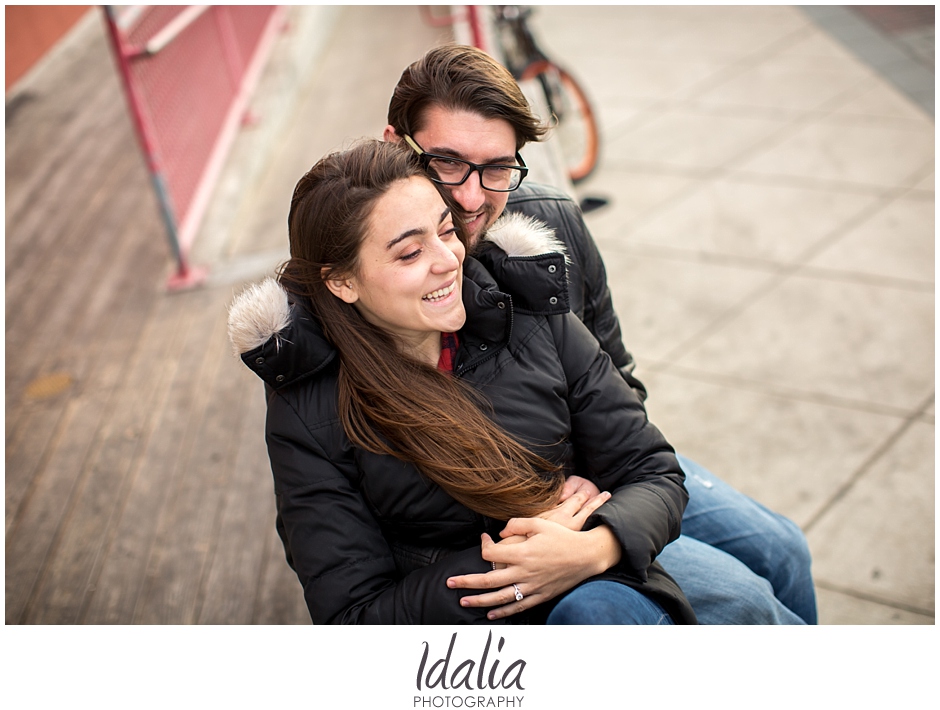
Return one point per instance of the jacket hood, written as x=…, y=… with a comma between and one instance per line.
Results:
x=522, y=236
x=262, y=311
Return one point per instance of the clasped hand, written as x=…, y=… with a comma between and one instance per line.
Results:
x=544, y=556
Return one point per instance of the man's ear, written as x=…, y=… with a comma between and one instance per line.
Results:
x=390, y=136
x=343, y=289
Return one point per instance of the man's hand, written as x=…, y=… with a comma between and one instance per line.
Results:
x=576, y=509
x=574, y=484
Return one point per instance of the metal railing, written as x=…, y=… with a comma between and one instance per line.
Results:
x=188, y=72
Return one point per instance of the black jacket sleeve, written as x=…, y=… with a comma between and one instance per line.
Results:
x=620, y=449
x=587, y=277
x=335, y=545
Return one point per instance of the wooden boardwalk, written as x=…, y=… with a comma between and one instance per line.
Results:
x=136, y=486
x=138, y=489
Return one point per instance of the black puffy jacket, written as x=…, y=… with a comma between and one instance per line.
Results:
x=587, y=278
x=370, y=538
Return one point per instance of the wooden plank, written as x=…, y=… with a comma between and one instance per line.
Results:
x=125, y=560
x=146, y=344
x=46, y=140
x=51, y=313
x=41, y=522
x=33, y=531
x=191, y=520
x=96, y=344
x=64, y=222
x=48, y=122
x=52, y=209
x=69, y=239
x=27, y=451
x=281, y=600
x=232, y=585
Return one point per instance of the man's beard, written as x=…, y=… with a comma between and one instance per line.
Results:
x=489, y=217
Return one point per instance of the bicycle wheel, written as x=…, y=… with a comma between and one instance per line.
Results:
x=575, y=123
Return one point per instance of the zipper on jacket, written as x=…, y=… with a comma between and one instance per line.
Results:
x=467, y=366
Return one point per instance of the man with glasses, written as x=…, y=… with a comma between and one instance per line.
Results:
x=464, y=114
x=453, y=171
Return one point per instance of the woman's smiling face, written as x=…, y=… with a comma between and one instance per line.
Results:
x=409, y=278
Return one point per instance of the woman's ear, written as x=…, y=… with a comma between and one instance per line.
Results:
x=343, y=289
x=390, y=135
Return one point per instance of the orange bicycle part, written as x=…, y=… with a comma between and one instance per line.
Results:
x=580, y=142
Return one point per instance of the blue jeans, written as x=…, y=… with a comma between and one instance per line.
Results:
x=606, y=602
x=736, y=561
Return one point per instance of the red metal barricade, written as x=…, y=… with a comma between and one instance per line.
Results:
x=188, y=72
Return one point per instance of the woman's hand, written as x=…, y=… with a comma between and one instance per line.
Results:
x=580, y=498
x=542, y=558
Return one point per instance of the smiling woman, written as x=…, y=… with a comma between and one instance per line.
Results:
x=409, y=272
x=416, y=411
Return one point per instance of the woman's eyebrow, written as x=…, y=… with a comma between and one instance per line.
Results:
x=417, y=231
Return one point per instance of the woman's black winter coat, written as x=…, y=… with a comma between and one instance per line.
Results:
x=371, y=539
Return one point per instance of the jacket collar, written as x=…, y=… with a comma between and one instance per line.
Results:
x=280, y=341
x=529, y=262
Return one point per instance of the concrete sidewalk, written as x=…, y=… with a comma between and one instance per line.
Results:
x=770, y=244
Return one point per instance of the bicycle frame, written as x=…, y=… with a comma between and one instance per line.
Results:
x=510, y=20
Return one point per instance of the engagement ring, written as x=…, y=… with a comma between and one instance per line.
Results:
x=518, y=593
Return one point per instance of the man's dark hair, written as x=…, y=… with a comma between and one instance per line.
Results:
x=458, y=77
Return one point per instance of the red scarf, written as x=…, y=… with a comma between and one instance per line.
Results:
x=448, y=352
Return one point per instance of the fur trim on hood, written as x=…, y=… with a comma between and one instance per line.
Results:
x=520, y=235
x=257, y=313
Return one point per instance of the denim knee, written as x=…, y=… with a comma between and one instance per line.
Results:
x=607, y=603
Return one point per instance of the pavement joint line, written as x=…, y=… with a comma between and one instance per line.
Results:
x=825, y=274
x=62, y=424
x=739, y=175
x=888, y=197
x=673, y=253
x=867, y=212
x=876, y=599
x=774, y=281
x=869, y=462
x=774, y=138
x=696, y=256
x=664, y=367
x=686, y=98
x=784, y=180
x=71, y=496
x=748, y=62
x=916, y=176
x=753, y=296
x=791, y=127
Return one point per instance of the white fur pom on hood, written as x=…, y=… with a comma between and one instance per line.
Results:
x=521, y=235
x=257, y=313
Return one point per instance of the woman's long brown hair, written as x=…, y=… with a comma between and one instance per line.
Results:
x=390, y=403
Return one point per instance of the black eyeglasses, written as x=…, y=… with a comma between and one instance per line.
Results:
x=446, y=170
